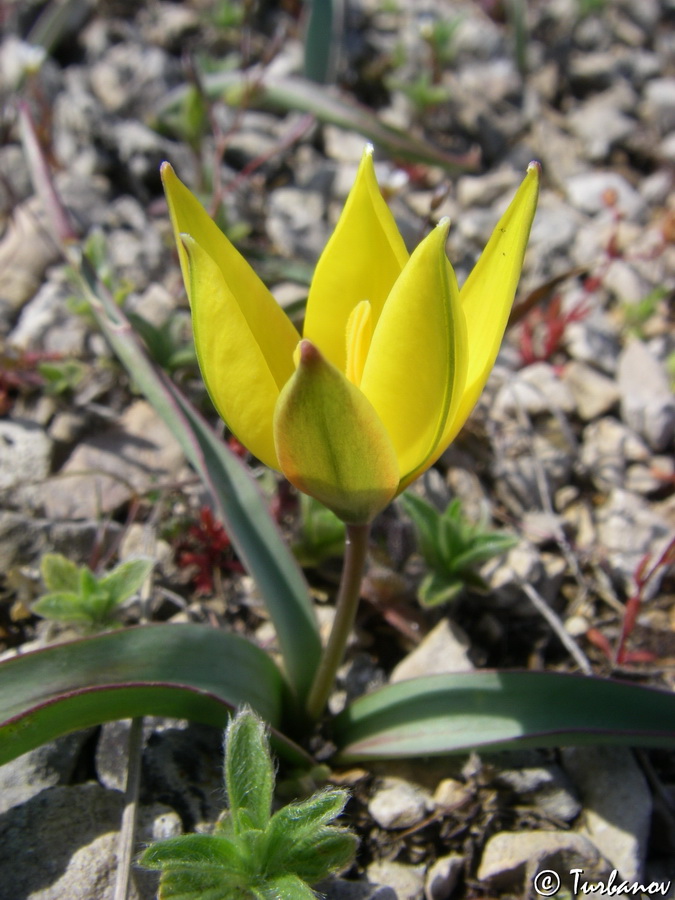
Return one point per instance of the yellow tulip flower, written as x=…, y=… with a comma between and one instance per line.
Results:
x=393, y=357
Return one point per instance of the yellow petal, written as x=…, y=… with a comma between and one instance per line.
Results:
x=234, y=368
x=415, y=371
x=330, y=442
x=269, y=326
x=488, y=293
x=359, y=335
x=361, y=261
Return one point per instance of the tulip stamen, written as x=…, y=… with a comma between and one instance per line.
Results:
x=359, y=336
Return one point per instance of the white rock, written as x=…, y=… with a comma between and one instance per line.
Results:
x=536, y=389
x=511, y=858
x=647, y=402
x=444, y=649
x=590, y=191
x=617, y=804
x=627, y=528
x=442, y=877
x=399, y=804
x=407, y=881
x=25, y=460
x=594, y=393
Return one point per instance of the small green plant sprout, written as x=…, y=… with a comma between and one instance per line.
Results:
x=61, y=376
x=321, y=536
x=77, y=596
x=252, y=854
x=452, y=547
x=169, y=344
x=637, y=315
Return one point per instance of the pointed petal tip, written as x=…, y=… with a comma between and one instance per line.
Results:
x=309, y=354
x=368, y=150
x=535, y=166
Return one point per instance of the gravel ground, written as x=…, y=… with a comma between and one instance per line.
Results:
x=570, y=449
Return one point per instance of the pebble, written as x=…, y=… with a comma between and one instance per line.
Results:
x=398, y=804
x=106, y=470
x=617, y=804
x=594, y=394
x=25, y=461
x=443, y=877
x=406, y=881
x=444, y=649
x=591, y=191
x=627, y=528
x=647, y=401
x=510, y=860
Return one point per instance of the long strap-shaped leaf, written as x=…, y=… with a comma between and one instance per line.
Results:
x=238, y=501
x=441, y=714
x=184, y=671
x=327, y=105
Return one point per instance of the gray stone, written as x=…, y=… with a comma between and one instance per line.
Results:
x=659, y=103
x=511, y=860
x=341, y=889
x=627, y=528
x=398, y=804
x=294, y=222
x=591, y=191
x=51, y=764
x=547, y=787
x=536, y=389
x=594, y=393
x=407, y=881
x=45, y=322
x=105, y=471
x=593, y=341
x=443, y=876
x=63, y=843
x=26, y=250
x=601, y=126
x=607, y=447
x=647, y=401
x=25, y=460
x=617, y=804
x=444, y=649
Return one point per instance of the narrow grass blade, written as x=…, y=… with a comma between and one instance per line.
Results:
x=327, y=105
x=238, y=501
x=183, y=671
x=441, y=714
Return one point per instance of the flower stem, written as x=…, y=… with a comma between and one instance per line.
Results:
x=356, y=551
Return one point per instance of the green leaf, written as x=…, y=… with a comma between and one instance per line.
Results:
x=298, y=823
x=249, y=773
x=202, y=884
x=285, y=887
x=323, y=33
x=203, y=851
x=438, y=589
x=441, y=714
x=59, y=573
x=485, y=547
x=327, y=105
x=62, y=606
x=126, y=579
x=184, y=671
x=329, y=850
x=427, y=521
x=238, y=501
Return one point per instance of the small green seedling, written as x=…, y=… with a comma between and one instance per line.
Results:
x=322, y=534
x=169, y=344
x=254, y=855
x=452, y=547
x=61, y=375
x=77, y=596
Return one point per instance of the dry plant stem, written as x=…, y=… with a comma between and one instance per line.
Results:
x=356, y=551
x=127, y=836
